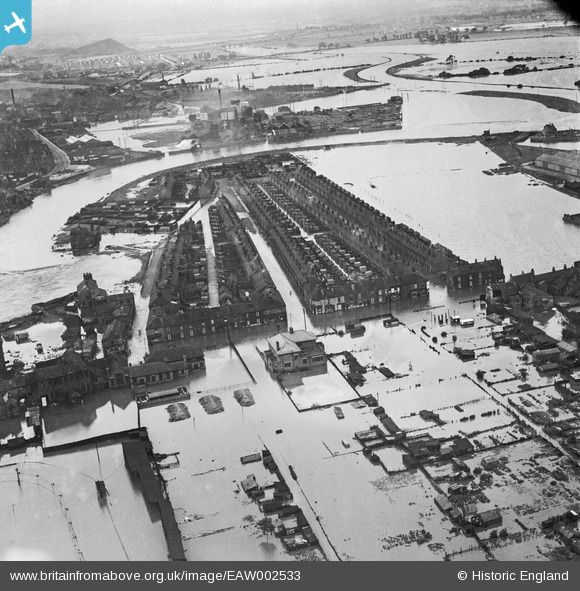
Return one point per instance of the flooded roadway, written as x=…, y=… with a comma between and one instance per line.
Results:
x=344, y=496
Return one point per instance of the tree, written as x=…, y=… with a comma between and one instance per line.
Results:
x=18, y=365
x=266, y=526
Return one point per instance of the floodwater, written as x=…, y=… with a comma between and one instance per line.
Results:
x=343, y=495
x=437, y=188
x=54, y=514
x=281, y=71
x=440, y=190
x=49, y=335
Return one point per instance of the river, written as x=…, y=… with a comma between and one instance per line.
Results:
x=435, y=187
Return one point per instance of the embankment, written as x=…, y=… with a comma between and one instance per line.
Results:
x=557, y=103
x=395, y=70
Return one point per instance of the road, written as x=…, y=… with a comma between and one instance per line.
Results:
x=138, y=342
x=61, y=160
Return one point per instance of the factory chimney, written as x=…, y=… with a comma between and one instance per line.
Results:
x=2, y=360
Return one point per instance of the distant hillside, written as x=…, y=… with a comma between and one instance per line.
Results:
x=99, y=48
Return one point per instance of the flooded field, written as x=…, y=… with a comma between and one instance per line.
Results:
x=261, y=73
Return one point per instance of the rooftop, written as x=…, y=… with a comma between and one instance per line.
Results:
x=289, y=342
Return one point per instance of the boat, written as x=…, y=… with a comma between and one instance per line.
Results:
x=292, y=473
x=345, y=443
x=338, y=412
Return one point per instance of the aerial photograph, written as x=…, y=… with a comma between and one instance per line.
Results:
x=289, y=281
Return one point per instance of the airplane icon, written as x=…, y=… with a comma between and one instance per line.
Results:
x=17, y=23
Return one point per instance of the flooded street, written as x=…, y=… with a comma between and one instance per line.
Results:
x=357, y=508
x=329, y=477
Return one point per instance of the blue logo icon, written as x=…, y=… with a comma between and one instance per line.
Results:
x=15, y=22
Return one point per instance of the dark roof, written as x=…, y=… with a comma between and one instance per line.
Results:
x=462, y=444
x=172, y=354
x=115, y=330
x=478, y=267
x=563, y=159
x=491, y=515
x=533, y=278
x=506, y=288
x=116, y=362
x=158, y=319
x=69, y=360
x=148, y=369
x=88, y=288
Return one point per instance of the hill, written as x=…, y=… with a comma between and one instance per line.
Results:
x=98, y=49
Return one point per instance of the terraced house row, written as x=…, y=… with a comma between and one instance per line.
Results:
x=321, y=283
x=392, y=247
x=247, y=295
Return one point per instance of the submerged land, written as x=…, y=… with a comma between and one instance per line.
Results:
x=252, y=320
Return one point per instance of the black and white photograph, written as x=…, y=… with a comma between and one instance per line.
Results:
x=288, y=282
